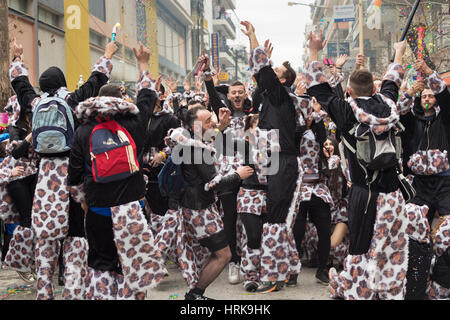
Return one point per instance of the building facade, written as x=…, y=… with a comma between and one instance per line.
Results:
x=71, y=34
x=343, y=37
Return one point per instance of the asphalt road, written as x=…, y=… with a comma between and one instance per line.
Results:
x=174, y=287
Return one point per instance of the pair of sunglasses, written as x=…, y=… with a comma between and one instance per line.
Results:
x=328, y=62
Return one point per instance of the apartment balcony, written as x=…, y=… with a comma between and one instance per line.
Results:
x=226, y=26
x=225, y=57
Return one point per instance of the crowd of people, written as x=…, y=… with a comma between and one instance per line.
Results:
x=104, y=190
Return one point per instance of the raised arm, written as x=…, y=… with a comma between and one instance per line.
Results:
x=437, y=86
x=18, y=74
x=393, y=78
x=215, y=101
x=146, y=88
x=100, y=75
x=317, y=86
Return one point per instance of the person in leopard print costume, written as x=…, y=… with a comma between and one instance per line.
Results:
x=438, y=287
x=123, y=261
x=425, y=113
x=378, y=246
x=19, y=173
x=336, y=182
x=199, y=212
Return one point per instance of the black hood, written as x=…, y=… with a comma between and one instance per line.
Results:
x=51, y=80
x=375, y=106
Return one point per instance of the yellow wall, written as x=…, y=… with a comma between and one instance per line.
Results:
x=152, y=36
x=76, y=24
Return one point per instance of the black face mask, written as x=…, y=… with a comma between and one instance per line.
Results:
x=51, y=80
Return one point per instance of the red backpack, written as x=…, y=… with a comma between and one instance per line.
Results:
x=113, y=153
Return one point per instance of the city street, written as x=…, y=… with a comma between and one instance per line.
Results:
x=174, y=287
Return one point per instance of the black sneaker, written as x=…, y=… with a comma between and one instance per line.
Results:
x=268, y=287
x=251, y=286
x=322, y=276
x=292, y=281
x=195, y=296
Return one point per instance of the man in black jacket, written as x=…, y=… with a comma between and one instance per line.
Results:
x=120, y=243
x=371, y=189
x=427, y=140
x=198, y=201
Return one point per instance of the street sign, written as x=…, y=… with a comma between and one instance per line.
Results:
x=224, y=76
x=344, y=13
x=344, y=48
x=215, y=50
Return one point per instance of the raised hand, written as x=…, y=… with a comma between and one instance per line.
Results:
x=340, y=62
x=16, y=49
x=300, y=88
x=418, y=86
x=249, y=28
x=421, y=66
x=197, y=84
x=268, y=48
x=360, y=61
x=216, y=77
x=172, y=84
x=400, y=46
x=158, y=83
x=315, y=41
x=187, y=85
x=142, y=53
x=111, y=49
x=224, y=118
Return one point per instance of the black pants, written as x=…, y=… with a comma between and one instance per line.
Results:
x=22, y=194
x=102, y=249
x=229, y=206
x=433, y=191
x=320, y=216
x=281, y=187
x=157, y=203
x=253, y=228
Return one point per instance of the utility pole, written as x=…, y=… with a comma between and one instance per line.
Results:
x=5, y=87
x=200, y=30
x=36, y=36
x=122, y=24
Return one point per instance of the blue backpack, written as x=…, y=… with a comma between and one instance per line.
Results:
x=170, y=180
x=53, y=126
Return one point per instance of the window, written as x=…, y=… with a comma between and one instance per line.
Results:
x=175, y=45
x=49, y=17
x=98, y=9
x=168, y=43
x=19, y=5
x=161, y=37
x=97, y=39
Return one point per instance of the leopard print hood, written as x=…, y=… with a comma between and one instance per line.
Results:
x=104, y=107
x=181, y=136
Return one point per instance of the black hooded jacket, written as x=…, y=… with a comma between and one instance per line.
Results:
x=278, y=110
x=362, y=203
x=423, y=134
x=106, y=195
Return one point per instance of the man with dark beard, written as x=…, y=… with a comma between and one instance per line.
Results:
x=237, y=101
